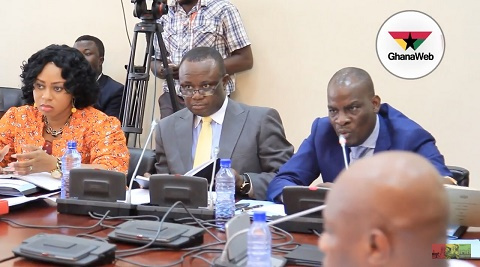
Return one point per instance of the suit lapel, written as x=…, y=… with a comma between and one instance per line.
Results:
x=233, y=123
x=183, y=136
x=383, y=140
x=102, y=81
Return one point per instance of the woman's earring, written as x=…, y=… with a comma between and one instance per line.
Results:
x=73, y=106
x=34, y=104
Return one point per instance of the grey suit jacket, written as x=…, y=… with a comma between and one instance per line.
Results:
x=253, y=137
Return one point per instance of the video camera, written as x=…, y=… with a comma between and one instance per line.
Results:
x=159, y=8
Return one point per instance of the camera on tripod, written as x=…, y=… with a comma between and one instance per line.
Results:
x=159, y=8
x=132, y=109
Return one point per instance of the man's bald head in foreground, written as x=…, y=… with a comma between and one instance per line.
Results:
x=385, y=210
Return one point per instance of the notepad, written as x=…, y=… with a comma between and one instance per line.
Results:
x=43, y=180
x=16, y=187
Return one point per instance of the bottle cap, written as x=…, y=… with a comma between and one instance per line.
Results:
x=259, y=216
x=72, y=144
x=225, y=163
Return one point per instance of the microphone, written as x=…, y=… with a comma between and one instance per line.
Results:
x=210, y=189
x=343, y=141
x=129, y=193
x=223, y=259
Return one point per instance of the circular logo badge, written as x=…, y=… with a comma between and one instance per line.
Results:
x=410, y=44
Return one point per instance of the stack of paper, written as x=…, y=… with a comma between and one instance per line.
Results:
x=43, y=180
x=15, y=187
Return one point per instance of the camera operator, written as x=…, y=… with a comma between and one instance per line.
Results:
x=201, y=23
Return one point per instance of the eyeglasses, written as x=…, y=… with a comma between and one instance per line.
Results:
x=206, y=90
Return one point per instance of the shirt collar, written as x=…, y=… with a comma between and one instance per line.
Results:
x=217, y=117
x=372, y=139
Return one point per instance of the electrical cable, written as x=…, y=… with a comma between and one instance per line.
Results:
x=125, y=23
x=143, y=249
x=197, y=256
x=160, y=229
x=287, y=235
x=12, y=222
x=95, y=215
x=179, y=261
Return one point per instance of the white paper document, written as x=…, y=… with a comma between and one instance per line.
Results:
x=16, y=187
x=139, y=196
x=270, y=208
x=13, y=201
x=43, y=180
x=464, y=205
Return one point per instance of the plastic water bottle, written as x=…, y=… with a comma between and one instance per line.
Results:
x=225, y=189
x=71, y=159
x=259, y=242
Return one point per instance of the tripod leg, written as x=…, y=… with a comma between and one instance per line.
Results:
x=135, y=92
x=169, y=75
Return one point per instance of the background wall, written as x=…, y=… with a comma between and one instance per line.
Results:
x=297, y=47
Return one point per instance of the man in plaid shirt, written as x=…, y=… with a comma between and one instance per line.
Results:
x=196, y=23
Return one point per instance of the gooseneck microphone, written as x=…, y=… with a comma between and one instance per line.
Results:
x=224, y=257
x=129, y=194
x=212, y=181
x=343, y=141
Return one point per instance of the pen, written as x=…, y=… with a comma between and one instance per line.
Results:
x=252, y=207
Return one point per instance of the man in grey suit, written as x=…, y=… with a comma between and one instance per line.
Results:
x=253, y=137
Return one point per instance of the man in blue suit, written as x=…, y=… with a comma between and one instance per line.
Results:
x=368, y=126
x=111, y=91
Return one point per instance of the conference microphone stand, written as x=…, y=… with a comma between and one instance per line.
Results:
x=223, y=260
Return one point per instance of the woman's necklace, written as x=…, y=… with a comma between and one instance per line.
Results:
x=51, y=131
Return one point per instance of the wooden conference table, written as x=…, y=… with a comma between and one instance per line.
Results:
x=43, y=212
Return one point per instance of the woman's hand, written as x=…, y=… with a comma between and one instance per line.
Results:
x=4, y=151
x=36, y=160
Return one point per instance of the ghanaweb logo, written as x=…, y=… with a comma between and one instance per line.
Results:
x=410, y=44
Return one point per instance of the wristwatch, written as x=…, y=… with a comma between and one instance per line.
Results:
x=246, y=185
x=57, y=172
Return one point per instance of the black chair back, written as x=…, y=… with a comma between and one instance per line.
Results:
x=10, y=97
x=461, y=175
x=147, y=163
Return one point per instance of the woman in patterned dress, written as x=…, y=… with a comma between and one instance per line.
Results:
x=60, y=89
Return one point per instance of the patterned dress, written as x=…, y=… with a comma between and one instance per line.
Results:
x=100, y=139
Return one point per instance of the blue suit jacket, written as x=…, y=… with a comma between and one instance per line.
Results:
x=321, y=153
x=110, y=96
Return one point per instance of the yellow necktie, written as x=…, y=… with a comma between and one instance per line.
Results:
x=204, y=143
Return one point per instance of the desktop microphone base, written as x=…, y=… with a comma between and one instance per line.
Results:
x=276, y=261
x=220, y=263
x=84, y=207
x=176, y=213
x=301, y=225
